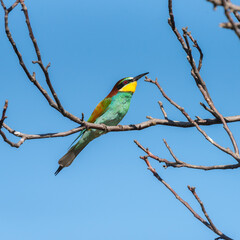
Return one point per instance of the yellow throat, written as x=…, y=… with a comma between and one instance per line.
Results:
x=131, y=87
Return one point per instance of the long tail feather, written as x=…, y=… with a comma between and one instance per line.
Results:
x=72, y=153
x=68, y=158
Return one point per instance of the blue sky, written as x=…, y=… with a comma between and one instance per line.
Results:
x=108, y=193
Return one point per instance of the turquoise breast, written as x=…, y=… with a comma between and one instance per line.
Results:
x=116, y=111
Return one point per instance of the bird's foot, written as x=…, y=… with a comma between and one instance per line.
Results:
x=105, y=128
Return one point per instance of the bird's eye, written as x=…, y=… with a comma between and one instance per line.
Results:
x=125, y=82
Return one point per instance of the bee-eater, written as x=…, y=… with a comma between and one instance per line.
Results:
x=110, y=111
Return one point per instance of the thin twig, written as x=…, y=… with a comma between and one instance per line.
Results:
x=228, y=9
x=237, y=15
x=226, y=150
x=186, y=204
x=44, y=69
x=229, y=5
x=3, y=114
x=180, y=164
x=228, y=15
x=32, y=77
x=198, y=79
x=13, y=6
x=228, y=25
x=195, y=44
x=193, y=191
x=171, y=152
x=162, y=109
x=118, y=128
x=42, y=135
x=208, y=109
x=17, y=145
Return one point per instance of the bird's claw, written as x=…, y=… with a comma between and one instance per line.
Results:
x=105, y=128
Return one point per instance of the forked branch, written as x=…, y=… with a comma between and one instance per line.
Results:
x=208, y=223
x=133, y=127
x=32, y=77
x=232, y=14
x=195, y=71
x=56, y=103
x=186, y=39
x=177, y=163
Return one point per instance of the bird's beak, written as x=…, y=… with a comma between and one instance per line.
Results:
x=139, y=76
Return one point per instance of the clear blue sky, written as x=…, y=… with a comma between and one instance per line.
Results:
x=108, y=193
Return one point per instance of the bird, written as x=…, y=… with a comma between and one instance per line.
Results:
x=110, y=111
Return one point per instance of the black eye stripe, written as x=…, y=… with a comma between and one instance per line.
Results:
x=125, y=82
x=120, y=86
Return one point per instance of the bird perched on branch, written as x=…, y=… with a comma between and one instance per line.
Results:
x=110, y=111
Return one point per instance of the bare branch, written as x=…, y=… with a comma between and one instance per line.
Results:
x=44, y=69
x=203, y=88
x=180, y=164
x=228, y=15
x=228, y=9
x=44, y=135
x=171, y=152
x=171, y=22
x=195, y=44
x=32, y=77
x=186, y=204
x=17, y=145
x=193, y=190
x=237, y=16
x=195, y=72
x=119, y=128
x=13, y=6
x=195, y=69
x=208, y=109
x=195, y=123
x=200, y=84
x=229, y=5
x=163, y=110
x=228, y=25
x=4, y=114
x=152, y=121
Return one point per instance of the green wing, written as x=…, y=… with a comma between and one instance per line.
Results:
x=100, y=109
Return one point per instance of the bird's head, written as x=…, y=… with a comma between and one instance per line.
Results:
x=127, y=84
